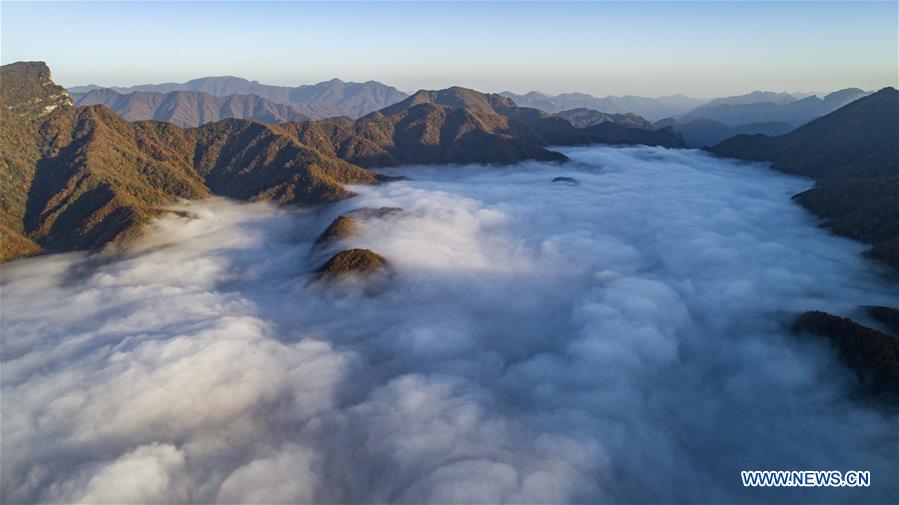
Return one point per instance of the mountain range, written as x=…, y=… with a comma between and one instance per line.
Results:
x=325, y=99
x=649, y=108
x=81, y=177
x=206, y=99
x=696, y=133
x=853, y=155
x=761, y=107
x=195, y=108
x=763, y=112
x=701, y=122
x=459, y=125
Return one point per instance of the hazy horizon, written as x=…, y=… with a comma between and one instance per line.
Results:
x=602, y=48
x=819, y=92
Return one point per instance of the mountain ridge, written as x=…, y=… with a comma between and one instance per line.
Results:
x=545, y=128
x=351, y=99
x=96, y=177
x=853, y=155
x=195, y=108
x=84, y=177
x=583, y=117
x=795, y=112
x=649, y=108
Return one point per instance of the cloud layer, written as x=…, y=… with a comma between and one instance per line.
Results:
x=620, y=340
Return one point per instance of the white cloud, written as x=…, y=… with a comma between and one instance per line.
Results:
x=623, y=340
x=286, y=477
x=148, y=474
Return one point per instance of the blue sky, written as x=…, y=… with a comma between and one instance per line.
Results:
x=649, y=48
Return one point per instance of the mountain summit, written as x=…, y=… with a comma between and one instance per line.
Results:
x=456, y=97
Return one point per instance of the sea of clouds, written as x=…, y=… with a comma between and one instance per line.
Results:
x=623, y=339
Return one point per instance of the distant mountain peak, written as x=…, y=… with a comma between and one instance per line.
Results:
x=758, y=96
x=768, y=106
x=324, y=99
x=219, y=77
x=646, y=107
x=844, y=96
x=193, y=108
